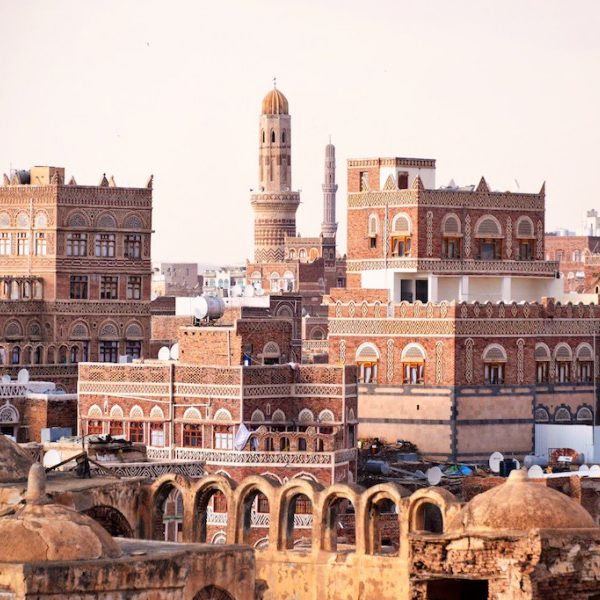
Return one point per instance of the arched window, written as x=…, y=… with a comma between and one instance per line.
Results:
x=563, y=357
x=288, y=277
x=271, y=354
x=272, y=136
x=302, y=254
x=263, y=136
x=16, y=355
x=283, y=137
x=542, y=363
x=585, y=363
x=451, y=237
x=192, y=414
x=367, y=360
x=489, y=234
x=494, y=361
x=525, y=237
x=278, y=416
x=585, y=414
x=306, y=416
x=541, y=415
x=257, y=416
x=373, y=230
x=562, y=415
x=413, y=364
x=400, y=236
x=274, y=279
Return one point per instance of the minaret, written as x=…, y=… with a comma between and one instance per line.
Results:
x=275, y=204
x=329, y=226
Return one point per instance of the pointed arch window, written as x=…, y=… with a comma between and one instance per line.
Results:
x=272, y=136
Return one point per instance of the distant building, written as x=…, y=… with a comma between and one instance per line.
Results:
x=75, y=273
x=224, y=281
x=177, y=279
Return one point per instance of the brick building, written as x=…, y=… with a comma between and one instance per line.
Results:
x=75, y=264
x=451, y=319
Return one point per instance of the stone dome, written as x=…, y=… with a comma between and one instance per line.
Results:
x=14, y=462
x=521, y=504
x=42, y=531
x=275, y=103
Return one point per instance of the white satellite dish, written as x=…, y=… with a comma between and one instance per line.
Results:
x=535, y=472
x=494, y=461
x=594, y=471
x=23, y=376
x=434, y=475
x=174, y=352
x=517, y=463
x=52, y=458
x=237, y=290
x=5, y=378
x=164, y=353
x=584, y=469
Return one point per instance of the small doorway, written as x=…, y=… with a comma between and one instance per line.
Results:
x=457, y=589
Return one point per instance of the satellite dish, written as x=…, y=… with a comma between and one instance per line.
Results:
x=5, y=378
x=535, y=472
x=594, y=471
x=52, y=458
x=237, y=290
x=164, y=353
x=494, y=461
x=23, y=376
x=434, y=475
x=174, y=352
x=517, y=464
x=584, y=469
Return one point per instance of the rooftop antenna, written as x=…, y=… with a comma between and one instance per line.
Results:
x=274, y=82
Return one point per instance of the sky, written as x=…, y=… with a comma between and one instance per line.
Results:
x=509, y=90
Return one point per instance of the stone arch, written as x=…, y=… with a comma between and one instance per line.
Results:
x=317, y=333
x=108, y=330
x=106, y=221
x=13, y=330
x=289, y=494
x=413, y=351
x=5, y=220
x=271, y=351
x=23, y=220
x=41, y=219
x=9, y=413
x=113, y=520
x=584, y=413
x=541, y=415
x=367, y=351
x=584, y=352
x=562, y=415
x=331, y=498
x=373, y=225
x=563, y=352
x=541, y=352
x=203, y=492
x=371, y=512
x=134, y=331
x=79, y=331
x=212, y=592
x=160, y=491
x=244, y=496
x=192, y=414
x=157, y=413
x=285, y=312
x=421, y=515
x=326, y=416
x=488, y=226
x=494, y=353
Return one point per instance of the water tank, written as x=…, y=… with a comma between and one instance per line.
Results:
x=209, y=307
x=532, y=459
x=378, y=467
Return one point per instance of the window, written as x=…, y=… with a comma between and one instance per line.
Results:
x=133, y=348
x=563, y=372
x=134, y=287
x=542, y=363
x=157, y=435
x=16, y=355
x=400, y=236
x=373, y=242
x=109, y=287
x=40, y=244
x=192, y=436
x=79, y=287
x=559, y=255
x=4, y=244
x=74, y=354
x=525, y=250
x=584, y=371
x=402, y=181
x=367, y=360
x=451, y=247
x=577, y=256
x=490, y=249
x=115, y=428
x=94, y=427
x=77, y=244
x=133, y=246
x=494, y=359
x=22, y=244
x=105, y=245
x=219, y=502
x=364, y=181
x=223, y=437
x=413, y=364
x=108, y=351
x=136, y=432
x=272, y=137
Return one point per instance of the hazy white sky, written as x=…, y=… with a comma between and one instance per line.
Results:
x=510, y=90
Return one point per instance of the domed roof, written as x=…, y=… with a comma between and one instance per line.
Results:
x=14, y=462
x=521, y=504
x=42, y=531
x=275, y=103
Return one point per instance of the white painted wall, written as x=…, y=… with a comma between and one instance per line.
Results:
x=427, y=175
x=578, y=437
x=531, y=289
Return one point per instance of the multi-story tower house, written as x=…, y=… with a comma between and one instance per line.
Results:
x=75, y=264
x=453, y=317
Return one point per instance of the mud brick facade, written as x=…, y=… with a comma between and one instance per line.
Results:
x=450, y=314
x=75, y=264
